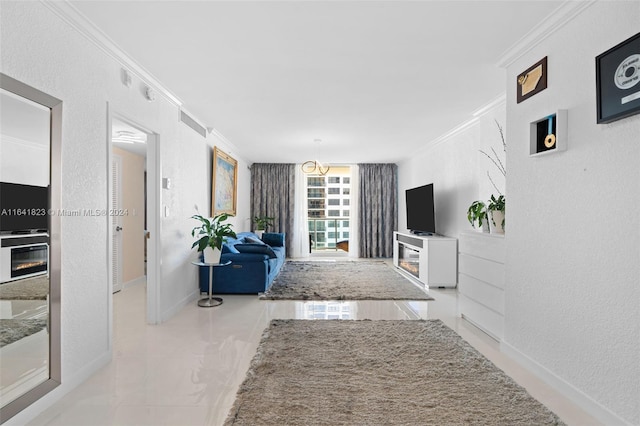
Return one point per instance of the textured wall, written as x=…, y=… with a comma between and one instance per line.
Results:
x=41, y=50
x=573, y=258
x=458, y=172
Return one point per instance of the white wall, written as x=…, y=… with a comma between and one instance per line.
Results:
x=573, y=229
x=41, y=50
x=457, y=170
x=573, y=234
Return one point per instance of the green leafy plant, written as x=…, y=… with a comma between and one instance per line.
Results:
x=263, y=222
x=211, y=232
x=497, y=204
x=477, y=212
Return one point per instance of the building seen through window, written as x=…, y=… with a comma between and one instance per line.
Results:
x=328, y=209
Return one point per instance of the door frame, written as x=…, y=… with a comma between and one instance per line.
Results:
x=154, y=251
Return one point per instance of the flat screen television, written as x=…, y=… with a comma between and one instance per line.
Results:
x=421, y=217
x=23, y=208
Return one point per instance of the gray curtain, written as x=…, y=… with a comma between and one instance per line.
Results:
x=377, y=209
x=272, y=194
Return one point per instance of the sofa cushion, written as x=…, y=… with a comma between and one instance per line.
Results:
x=274, y=239
x=252, y=240
x=229, y=248
x=256, y=248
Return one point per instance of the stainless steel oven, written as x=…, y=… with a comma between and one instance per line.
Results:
x=23, y=256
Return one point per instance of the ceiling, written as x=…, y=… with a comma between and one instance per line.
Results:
x=118, y=127
x=373, y=80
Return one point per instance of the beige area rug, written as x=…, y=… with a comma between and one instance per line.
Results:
x=342, y=280
x=12, y=330
x=35, y=288
x=337, y=372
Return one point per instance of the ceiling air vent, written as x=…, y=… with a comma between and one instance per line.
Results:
x=189, y=121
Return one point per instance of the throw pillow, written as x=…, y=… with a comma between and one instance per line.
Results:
x=253, y=240
x=256, y=248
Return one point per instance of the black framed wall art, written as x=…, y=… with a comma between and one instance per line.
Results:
x=618, y=81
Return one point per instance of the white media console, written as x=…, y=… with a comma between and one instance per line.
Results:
x=432, y=260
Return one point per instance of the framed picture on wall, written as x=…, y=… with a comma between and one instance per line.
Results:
x=531, y=81
x=225, y=183
x=618, y=81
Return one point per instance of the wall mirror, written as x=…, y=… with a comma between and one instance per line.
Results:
x=30, y=144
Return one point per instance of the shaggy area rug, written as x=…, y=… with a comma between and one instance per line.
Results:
x=35, y=288
x=12, y=330
x=346, y=280
x=341, y=372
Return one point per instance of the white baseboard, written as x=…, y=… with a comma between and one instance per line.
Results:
x=173, y=310
x=584, y=401
x=68, y=384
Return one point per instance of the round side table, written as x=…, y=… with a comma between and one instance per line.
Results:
x=210, y=301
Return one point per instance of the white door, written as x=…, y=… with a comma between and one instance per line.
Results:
x=116, y=221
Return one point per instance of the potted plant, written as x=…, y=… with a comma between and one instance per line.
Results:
x=210, y=235
x=496, y=209
x=476, y=214
x=262, y=224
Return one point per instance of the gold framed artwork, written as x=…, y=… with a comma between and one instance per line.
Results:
x=532, y=80
x=224, y=185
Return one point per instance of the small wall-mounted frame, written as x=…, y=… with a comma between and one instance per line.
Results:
x=549, y=134
x=532, y=80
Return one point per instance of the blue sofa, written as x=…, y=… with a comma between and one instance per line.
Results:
x=255, y=263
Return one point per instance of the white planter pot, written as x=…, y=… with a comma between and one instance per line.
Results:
x=484, y=227
x=497, y=217
x=259, y=232
x=211, y=255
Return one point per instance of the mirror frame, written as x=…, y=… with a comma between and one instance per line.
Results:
x=55, y=371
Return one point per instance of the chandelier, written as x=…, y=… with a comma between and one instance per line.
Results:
x=315, y=167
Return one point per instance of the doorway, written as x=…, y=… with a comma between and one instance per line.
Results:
x=133, y=197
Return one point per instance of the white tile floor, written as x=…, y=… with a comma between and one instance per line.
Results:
x=187, y=370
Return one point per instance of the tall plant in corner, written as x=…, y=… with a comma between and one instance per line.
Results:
x=210, y=235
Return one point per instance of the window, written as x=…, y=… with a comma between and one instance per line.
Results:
x=346, y=180
x=333, y=213
x=315, y=193
x=315, y=204
x=334, y=201
x=345, y=235
x=334, y=191
x=345, y=213
x=315, y=213
x=334, y=179
x=345, y=202
x=346, y=191
x=345, y=223
x=332, y=234
x=315, y=181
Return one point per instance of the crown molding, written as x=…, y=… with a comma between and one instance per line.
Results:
x=558, y=18
x=498, y=101
x=485, y=109
x=77, y=20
